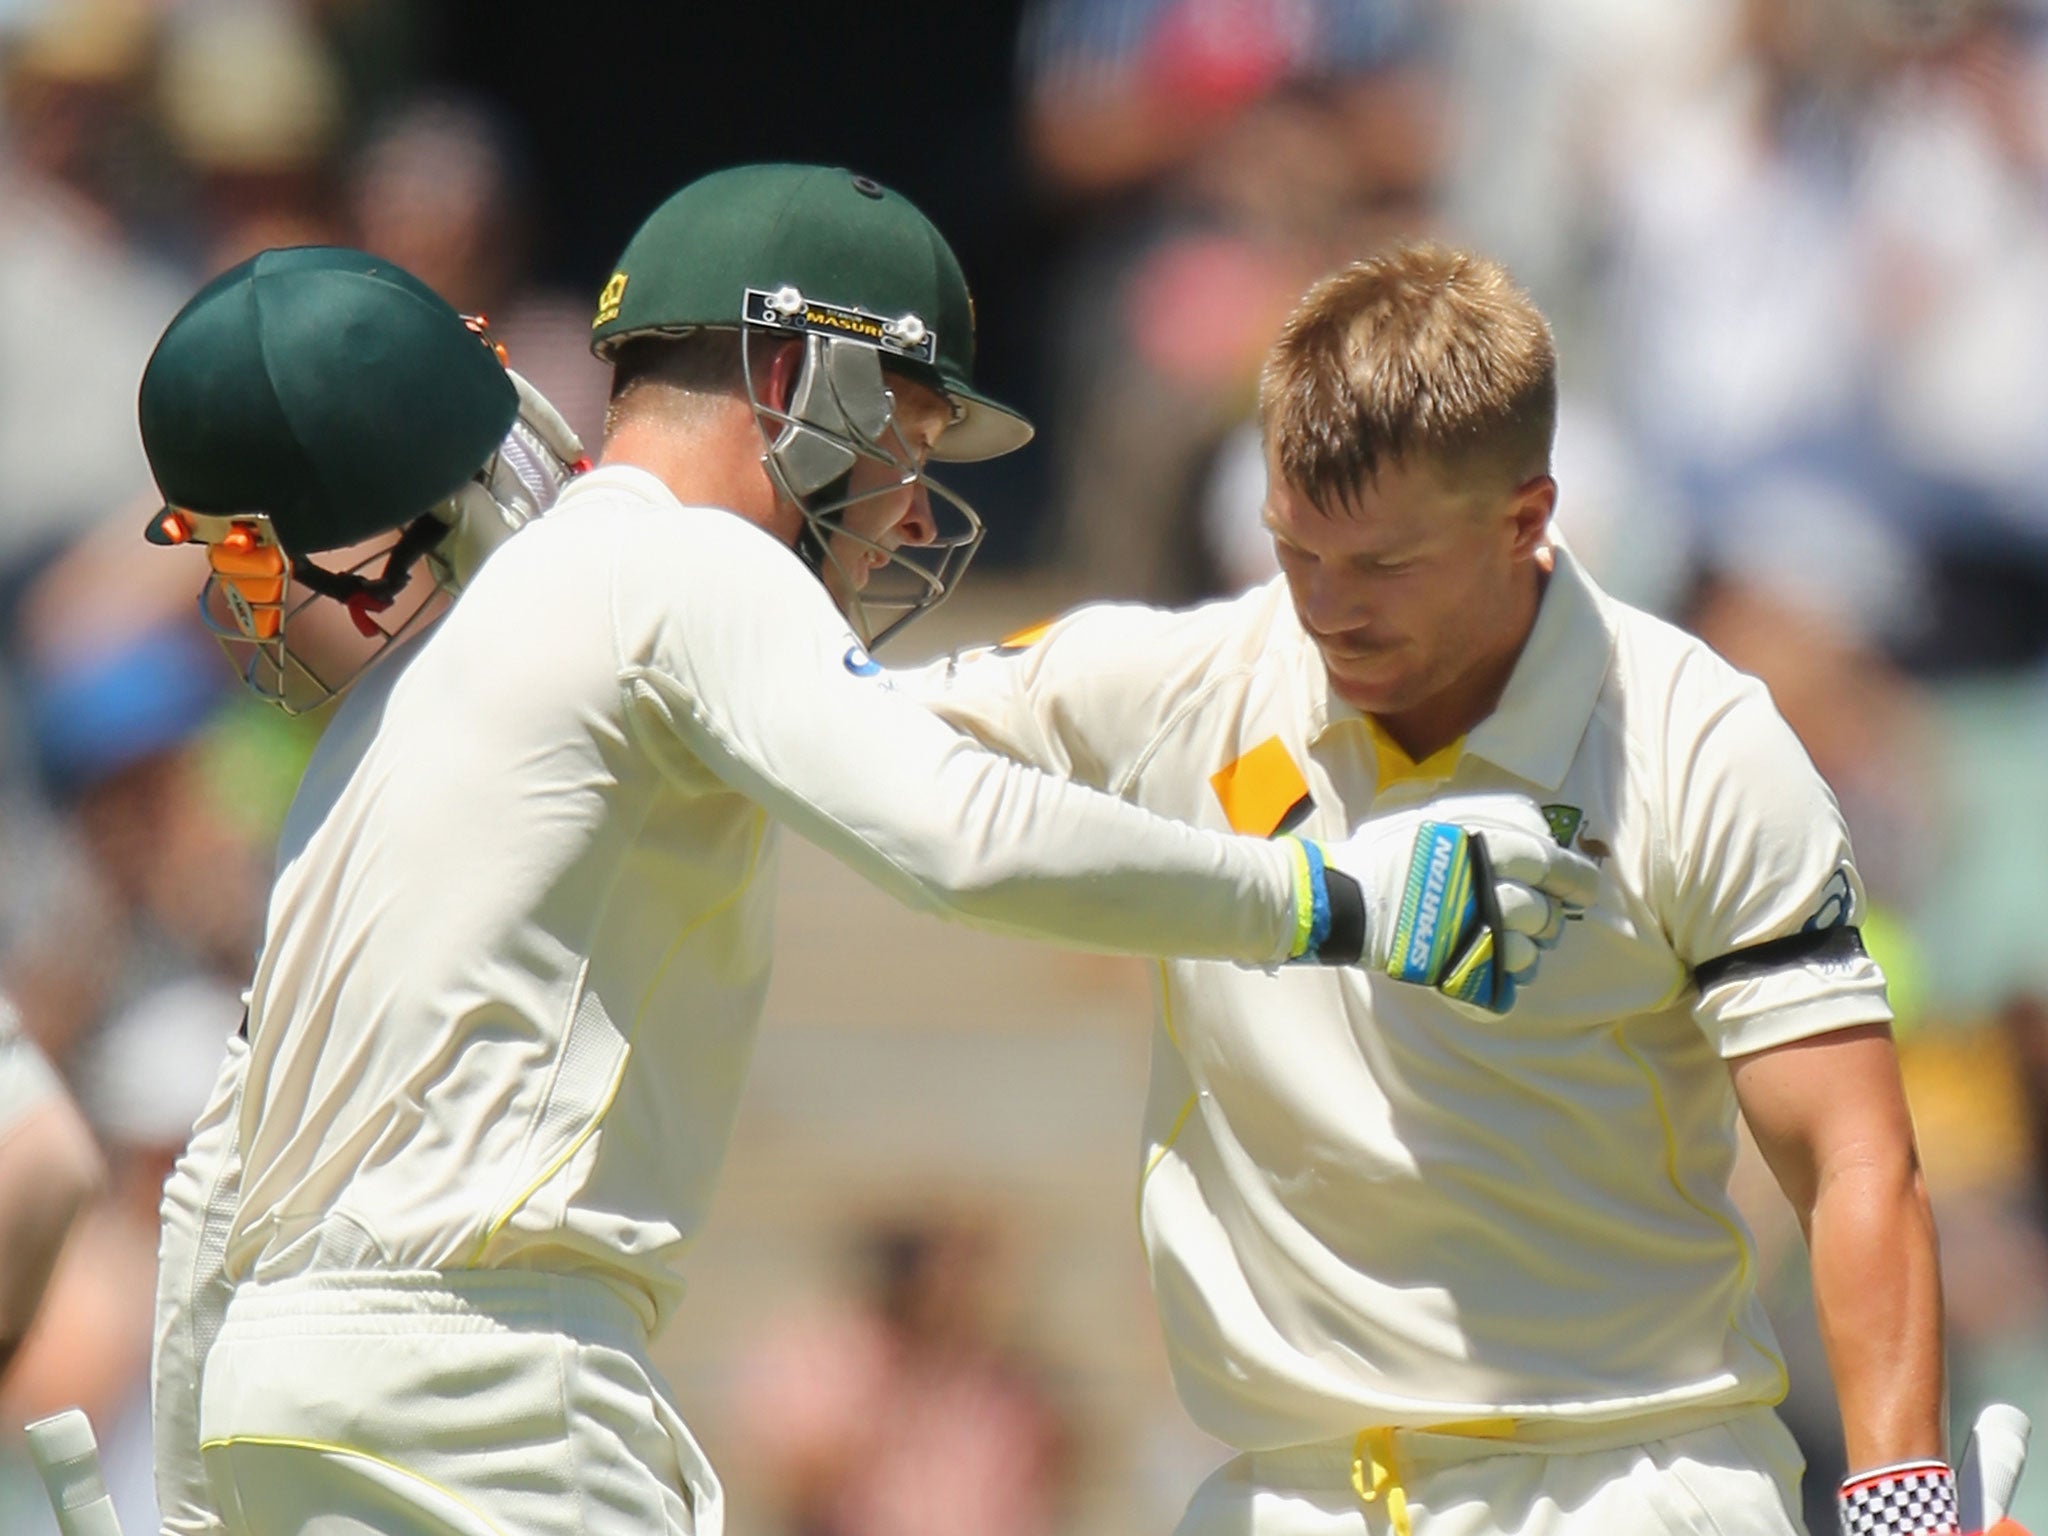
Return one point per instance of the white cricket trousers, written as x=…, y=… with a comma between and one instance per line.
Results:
x=192, y=1294
x=1737, y=1477
x=452, y=1403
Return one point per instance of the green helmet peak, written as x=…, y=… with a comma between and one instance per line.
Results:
x=810, y=250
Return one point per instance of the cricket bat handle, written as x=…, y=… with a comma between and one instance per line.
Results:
x=1992, y=1461
x=68, y=1460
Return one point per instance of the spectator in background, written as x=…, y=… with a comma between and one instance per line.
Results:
x=1955, y=188
x=145, y=876
x=143, y=1079
x=1830, y=253
x=253, y=102
x=1221, y=154
x=378, y=46
x=159, y=884
x=1547, y=99
x=901, y=1415
x=79, y=304
x=440, y=189
x=49, y=1169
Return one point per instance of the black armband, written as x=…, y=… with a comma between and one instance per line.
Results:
x=1839, y=943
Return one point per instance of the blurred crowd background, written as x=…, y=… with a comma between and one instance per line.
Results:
x=1796, y=256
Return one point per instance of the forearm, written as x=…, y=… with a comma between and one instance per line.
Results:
x=775, y=700
x=949, y=829
x=49, y=1170
x=1877, y=1291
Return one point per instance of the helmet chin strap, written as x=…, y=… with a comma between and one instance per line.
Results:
x=365, y=595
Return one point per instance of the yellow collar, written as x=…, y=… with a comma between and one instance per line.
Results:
x=1393, y=765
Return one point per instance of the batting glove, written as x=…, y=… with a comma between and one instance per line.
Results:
x=1462, y=895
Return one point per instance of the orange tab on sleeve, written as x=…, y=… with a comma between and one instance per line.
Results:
x=1263, y=793
x=1027, y=637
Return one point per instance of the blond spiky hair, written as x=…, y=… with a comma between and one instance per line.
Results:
x=1419, y=352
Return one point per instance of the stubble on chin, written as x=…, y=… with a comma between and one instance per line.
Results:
x=1366, y=698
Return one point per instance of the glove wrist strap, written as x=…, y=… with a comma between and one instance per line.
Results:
x=1345, y=943
x=1909, y=1498
x=1329, y=910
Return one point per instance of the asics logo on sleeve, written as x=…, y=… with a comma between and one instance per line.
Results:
x=1836, y=899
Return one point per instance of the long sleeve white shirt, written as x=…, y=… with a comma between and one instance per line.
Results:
x=518, y=943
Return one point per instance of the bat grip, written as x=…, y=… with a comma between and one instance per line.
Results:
x=1992, y=1462
x=67, y=1459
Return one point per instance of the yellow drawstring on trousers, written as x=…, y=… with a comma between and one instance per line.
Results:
x=1376, y=1476
x=1376, y=1479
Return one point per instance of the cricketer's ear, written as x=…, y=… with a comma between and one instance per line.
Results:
x=1534, y=502
x=778, y=379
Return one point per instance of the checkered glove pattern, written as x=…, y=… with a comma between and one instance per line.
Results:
x=1913, y=1498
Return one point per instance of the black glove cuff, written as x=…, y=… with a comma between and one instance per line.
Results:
x=1346, y=942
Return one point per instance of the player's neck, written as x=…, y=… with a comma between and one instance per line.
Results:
x=1452, y=711
x=706, y=460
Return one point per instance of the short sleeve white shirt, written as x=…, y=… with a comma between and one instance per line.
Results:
x=1363, y=1207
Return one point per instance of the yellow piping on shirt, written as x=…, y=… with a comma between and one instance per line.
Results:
x=326, y=1448
x=1180, y=1120
x=1166, y=1004
x=632, y=1033
x=1743, y=1261
x=1159, y=1153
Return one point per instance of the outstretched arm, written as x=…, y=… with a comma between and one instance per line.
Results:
x=729, y=646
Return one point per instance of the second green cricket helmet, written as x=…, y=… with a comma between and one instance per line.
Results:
x=866, y=283
x=267, y=389
x=314, y=398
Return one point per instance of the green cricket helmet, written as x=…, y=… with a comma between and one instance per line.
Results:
x=267, y=389
x=869, y=287
x=315, y=398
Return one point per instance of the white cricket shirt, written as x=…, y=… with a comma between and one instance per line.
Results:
x=517, y=946
x=1364, y=1208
